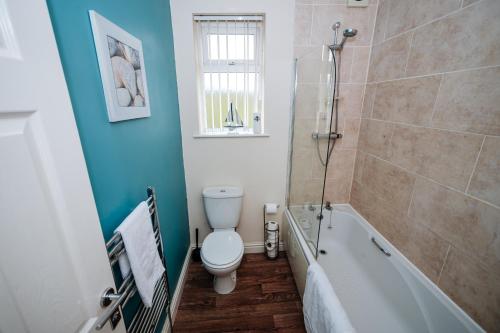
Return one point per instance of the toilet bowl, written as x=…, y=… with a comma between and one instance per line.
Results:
x=221, y=254
x=222, y=249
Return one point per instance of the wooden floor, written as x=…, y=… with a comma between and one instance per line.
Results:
x=265, y=300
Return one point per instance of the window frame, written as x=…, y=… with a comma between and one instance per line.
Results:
x=231, y=65
x=235, y=25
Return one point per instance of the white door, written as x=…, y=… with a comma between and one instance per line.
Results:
x=53, y=263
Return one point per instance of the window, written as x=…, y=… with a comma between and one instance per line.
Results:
x=230, y=67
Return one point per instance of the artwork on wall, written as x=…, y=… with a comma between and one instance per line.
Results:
x=121, y=63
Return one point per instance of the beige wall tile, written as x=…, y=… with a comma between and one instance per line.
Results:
x=302, y=136
x=463, y=221
x=339, y=2
x=359, y=18
x=307, y=51
x=368, y=101
x=388, y=60
x=302, y=164
x=470, y=101
x=438, y=217
x=312, y=70
x=463, y=40
x=359, y=64
x=388, y=182
x=346, y=60
x=408, y=14
x=472, y=287
x=341, y=164
x=381, y=22
x=358, y=166
x=303, y=21
x=375, y=137
x=337, y=191
x=425, y=249
x=302, y=191
x=310, y=66
x=447, y=157
x=485, y=182
x=468, y=2
x=351, y=100
x=392, y=223
x=306, y=101
x=350, y=133
x=408, y=101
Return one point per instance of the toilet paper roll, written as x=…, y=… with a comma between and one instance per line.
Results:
x=272, y=225
x=271, y=208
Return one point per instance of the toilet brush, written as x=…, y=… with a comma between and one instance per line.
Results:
x=196, y=252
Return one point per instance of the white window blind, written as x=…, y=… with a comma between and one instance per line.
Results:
x=230, y=73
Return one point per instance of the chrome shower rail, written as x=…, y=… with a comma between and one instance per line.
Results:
x=145, y=319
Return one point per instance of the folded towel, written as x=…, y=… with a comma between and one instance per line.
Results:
x=323, y=312
x=140, y=247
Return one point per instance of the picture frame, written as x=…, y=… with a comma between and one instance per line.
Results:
x=122, y=68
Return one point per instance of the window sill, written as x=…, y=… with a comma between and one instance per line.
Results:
x=229, y=136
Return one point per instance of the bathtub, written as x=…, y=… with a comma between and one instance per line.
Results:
x=380, y=292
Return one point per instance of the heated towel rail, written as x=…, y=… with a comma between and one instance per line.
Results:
x=145, y=320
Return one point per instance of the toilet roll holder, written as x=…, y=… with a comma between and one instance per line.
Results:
x=271, y=237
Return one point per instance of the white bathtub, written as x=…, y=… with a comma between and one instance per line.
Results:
x=380, y=293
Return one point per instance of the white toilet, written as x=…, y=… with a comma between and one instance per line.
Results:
x=222, y=249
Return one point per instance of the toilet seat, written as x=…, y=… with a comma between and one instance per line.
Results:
x=222, y=249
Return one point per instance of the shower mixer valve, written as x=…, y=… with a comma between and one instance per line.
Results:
x=333, y=135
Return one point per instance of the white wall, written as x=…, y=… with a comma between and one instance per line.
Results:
x=257, y=164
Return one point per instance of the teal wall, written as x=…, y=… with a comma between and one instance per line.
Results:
x=124, y=158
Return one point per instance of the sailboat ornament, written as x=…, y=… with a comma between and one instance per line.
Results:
x=233, y=119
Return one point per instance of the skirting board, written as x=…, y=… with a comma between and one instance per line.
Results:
x=176, y=299
x=253, y=247
x=258, y=247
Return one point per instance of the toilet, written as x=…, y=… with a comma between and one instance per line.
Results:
x=222, y=249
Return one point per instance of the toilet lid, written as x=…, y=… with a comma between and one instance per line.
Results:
x=222, y=247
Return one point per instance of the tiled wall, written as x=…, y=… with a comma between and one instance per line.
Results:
x=427, y=172
x=313, y=21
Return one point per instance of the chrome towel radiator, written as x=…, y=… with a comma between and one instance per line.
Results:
x=145, y=320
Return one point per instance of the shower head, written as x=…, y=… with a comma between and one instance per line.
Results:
x=350, y=32
x=347, y=33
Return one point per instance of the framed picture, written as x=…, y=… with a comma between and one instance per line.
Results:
x=123, y=75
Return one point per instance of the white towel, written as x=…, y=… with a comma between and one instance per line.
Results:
x=323, y=312
x=140, y=247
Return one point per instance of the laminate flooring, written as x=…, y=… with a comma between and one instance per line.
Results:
x=265, y=300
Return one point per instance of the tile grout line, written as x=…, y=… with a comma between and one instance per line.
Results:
x=429, y=127
x=386, y=23
x=412, y=36
x=433, y=181
x=351, y=66
x=434, y=106
x=475, y=165
x=444, y=264
x=436, y=74
x=411, y=197
x=309, y=38
x=320, y=45
x=372, y=106
x=426, y=23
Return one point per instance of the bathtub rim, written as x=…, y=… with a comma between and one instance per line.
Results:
x=396, y=255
